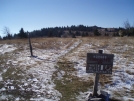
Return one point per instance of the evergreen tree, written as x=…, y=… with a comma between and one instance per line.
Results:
x=60, y=33
x=73, y=35
x=132, y=31
x=9, y=36
x=96, y=33
x=117, y=34
x=114, y=34
x=0, y=38
x=50, y=34
x=106, y=29
x=86, y=34
x=105, y=34
x=77, y=33
x=83, y=34
x=22, y=34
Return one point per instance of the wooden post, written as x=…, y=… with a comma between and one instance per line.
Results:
x=96, y=80
x=30, y=45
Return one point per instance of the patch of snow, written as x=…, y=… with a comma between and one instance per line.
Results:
x=121, y=79
x=1, y=78
x=6, y=48
x=60, y=75
x=127, y=99
x=40, y=68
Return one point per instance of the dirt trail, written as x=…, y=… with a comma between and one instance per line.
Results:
x=67, y=79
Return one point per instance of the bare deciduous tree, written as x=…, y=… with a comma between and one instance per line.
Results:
x=127, y=25
x=6, y=31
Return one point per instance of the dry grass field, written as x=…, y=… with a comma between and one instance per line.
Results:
x=57, y=72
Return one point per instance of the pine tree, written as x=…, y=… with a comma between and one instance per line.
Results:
x=73, y=35
x=50, y=34
x=22, y=34
x=0, y=38
x=96, y=33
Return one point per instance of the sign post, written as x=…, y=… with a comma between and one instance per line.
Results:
x=30, y=45
x=96, y=80
x=99, y=63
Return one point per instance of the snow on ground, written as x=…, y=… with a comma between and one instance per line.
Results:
x=6, y=48
x=122, y=81
x=37, y=70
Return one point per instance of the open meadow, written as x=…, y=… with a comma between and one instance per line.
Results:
x=57, y=71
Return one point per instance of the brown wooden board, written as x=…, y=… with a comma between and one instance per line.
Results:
x=99, y=63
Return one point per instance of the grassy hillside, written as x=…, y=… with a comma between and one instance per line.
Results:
x=57, y=70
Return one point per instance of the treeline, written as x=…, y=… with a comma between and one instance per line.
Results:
x=21, y=34
x=63, y=31
x=54, y=32
x=72, y=31
x=126, y=32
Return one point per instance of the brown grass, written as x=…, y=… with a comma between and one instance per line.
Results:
x=70, y=85
x=73, y=84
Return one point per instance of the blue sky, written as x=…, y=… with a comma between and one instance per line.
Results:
x=36, y=14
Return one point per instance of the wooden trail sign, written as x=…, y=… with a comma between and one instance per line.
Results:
x=99, y=63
